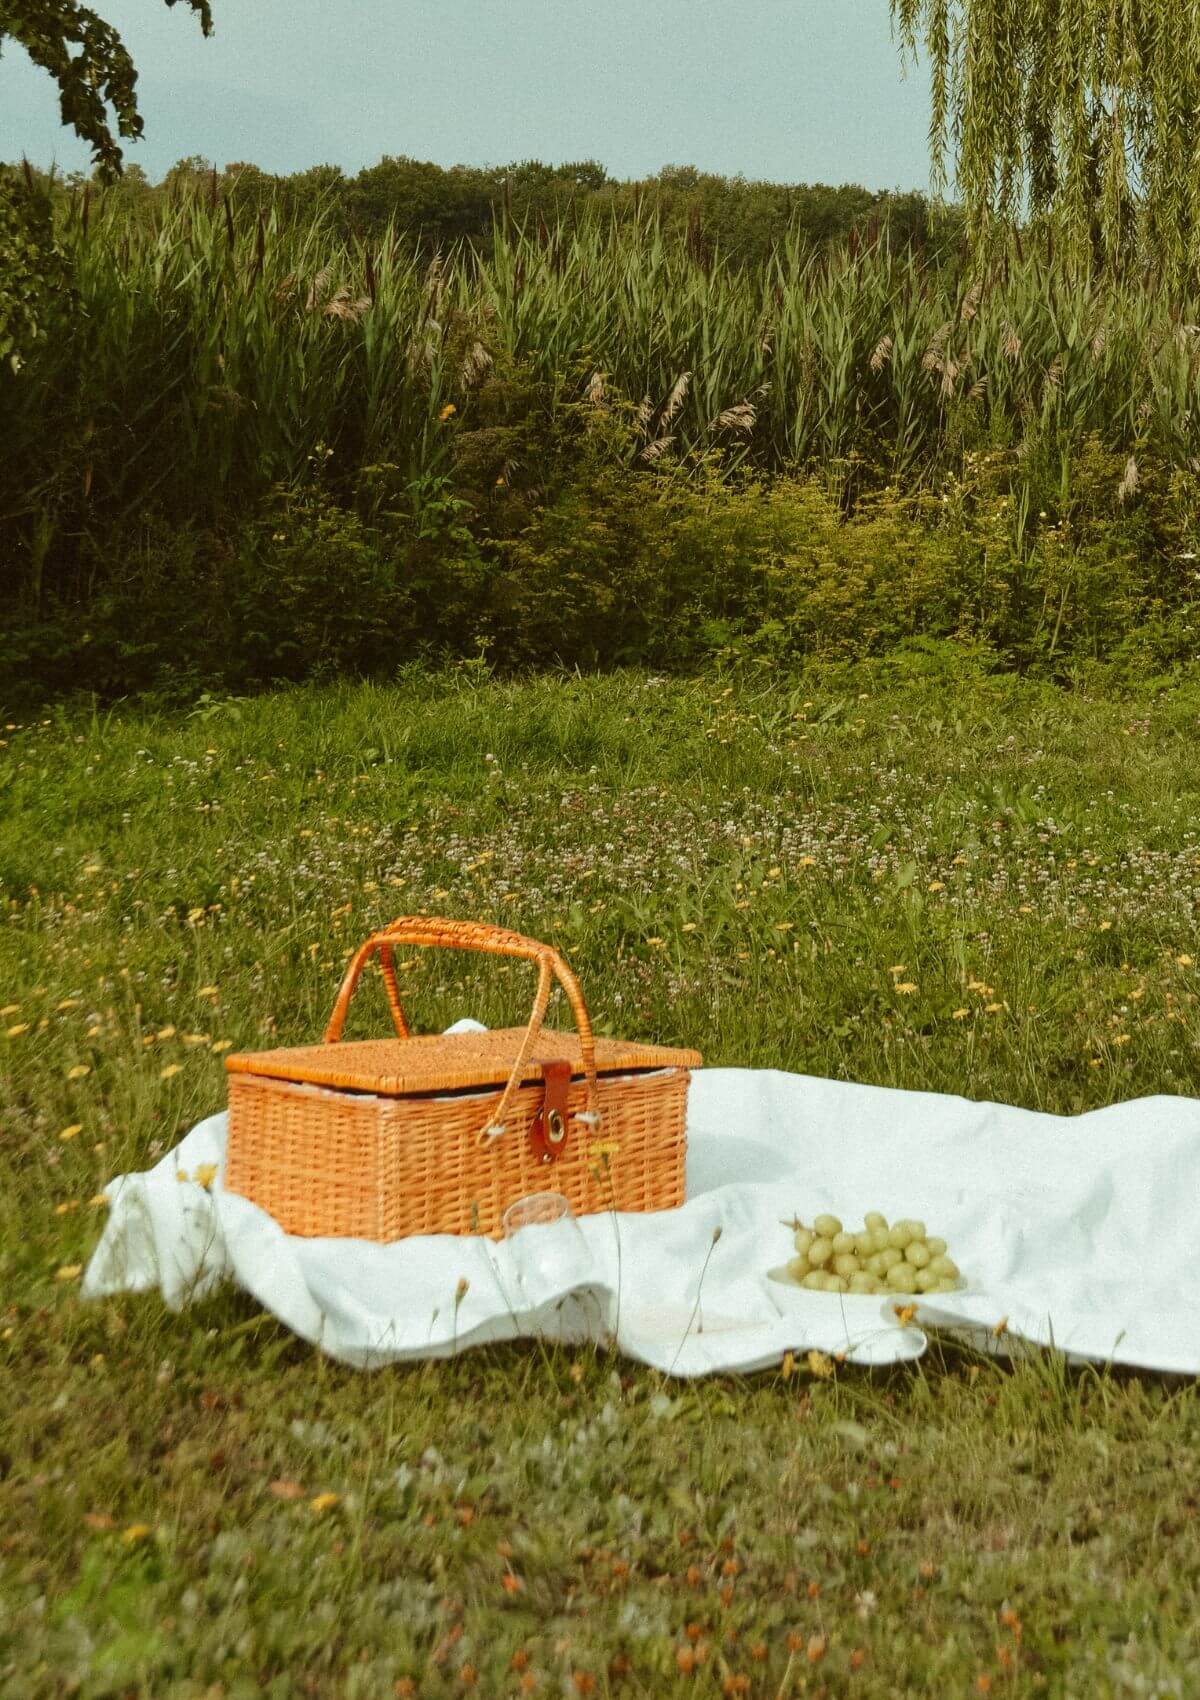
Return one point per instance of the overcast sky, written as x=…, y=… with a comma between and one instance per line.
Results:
x=789, y=90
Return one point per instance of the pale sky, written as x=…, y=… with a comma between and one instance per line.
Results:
x=797, y=91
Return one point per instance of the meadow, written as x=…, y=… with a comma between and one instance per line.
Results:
x=913, y=870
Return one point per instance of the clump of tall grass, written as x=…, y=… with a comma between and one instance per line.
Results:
x=214, y=357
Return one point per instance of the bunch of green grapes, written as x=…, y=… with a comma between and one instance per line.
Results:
x=878, y=1259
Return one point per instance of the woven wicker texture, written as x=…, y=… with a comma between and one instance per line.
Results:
x=441, y=1063
x=352, y=1140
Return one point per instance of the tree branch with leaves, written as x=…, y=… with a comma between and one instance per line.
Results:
x=96, y=89
x=1089, y=107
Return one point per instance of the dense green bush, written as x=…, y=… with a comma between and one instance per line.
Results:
x=614, y=567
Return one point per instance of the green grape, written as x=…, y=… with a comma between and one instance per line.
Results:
x=889, y=1257
x=874, y=1220
x=836, y=1284
x=927, y=1281
x=863, y=1282
x=847, y=1264
x=875, y=1265
x=814, y=1281
x=917, y=1254
x=827, y=1226
x=864, y=1244
x=898, y=1235
x=842, y=1243
x=918, y=1230
x=798, y=1268
x=804, y=1238
x=946, y=1285
x=879, y=1239
x=945, y=1267
x=937, y=1248
x=901, y=1277
x=820, y=1251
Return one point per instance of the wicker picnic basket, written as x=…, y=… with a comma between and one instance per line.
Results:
x=381, y=1138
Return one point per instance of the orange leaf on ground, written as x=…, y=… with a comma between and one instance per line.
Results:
x=286, y=1490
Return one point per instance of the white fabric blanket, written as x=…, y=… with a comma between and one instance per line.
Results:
x=1081, y=1232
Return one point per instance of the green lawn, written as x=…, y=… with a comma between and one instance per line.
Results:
x=762, y=869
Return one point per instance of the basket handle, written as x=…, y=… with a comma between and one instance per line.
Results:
x=497, y=941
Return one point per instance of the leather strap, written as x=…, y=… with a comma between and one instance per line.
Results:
x=548, y=1134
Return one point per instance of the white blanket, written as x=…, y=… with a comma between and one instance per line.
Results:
x=1076, y=1232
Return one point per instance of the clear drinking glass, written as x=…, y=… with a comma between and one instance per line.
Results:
x=548, y=1252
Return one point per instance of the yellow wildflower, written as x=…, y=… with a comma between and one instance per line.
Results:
x=447, y=412
x=323, y=1502
x=16, y=1032
x=78, y=1072
x=70, y=1132
x=171, y=1068
x=136, y=1532
x=69, y=1272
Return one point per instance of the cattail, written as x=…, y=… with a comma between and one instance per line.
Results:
x=260, y=248
x=229, y=230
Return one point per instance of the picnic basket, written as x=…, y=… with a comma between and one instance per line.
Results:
x=436, y=1134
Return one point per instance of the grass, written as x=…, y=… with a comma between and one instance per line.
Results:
x=740, y=864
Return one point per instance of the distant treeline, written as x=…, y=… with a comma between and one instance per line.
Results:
x=739, y=220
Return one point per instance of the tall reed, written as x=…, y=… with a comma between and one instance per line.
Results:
x=210, y=356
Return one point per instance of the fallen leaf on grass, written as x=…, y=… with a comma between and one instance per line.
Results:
x=286, y=1490
x=98, y=1520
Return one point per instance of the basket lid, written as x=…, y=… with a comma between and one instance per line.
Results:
x=447, y=1062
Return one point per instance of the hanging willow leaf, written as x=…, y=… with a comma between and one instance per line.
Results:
x=1066, y=108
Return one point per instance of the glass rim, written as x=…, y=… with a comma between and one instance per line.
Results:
x=536, y=1209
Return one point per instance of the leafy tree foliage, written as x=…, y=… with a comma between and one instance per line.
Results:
x=1091, y=107
x=95, y=76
